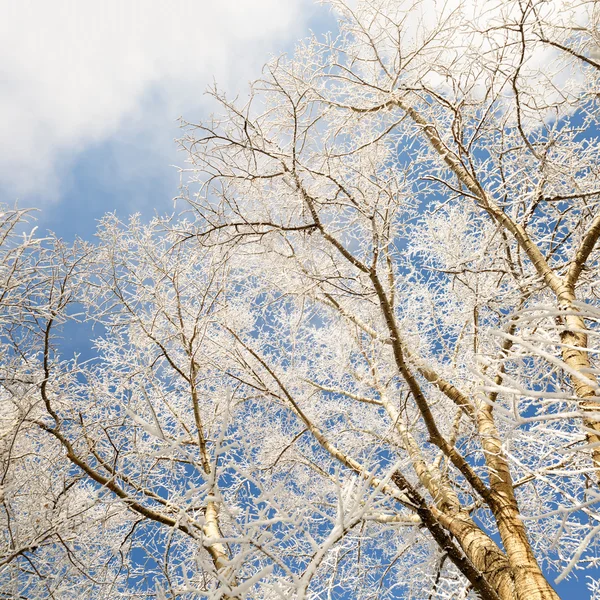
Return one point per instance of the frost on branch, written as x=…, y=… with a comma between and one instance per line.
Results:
x=364, y=362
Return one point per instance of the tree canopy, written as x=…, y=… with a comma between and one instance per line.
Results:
x=361, y=363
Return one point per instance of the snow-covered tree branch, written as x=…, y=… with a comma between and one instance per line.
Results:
x=363, y=363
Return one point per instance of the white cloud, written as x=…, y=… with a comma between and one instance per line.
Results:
x=72, y=72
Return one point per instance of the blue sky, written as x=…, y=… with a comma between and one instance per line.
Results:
x=91, y=94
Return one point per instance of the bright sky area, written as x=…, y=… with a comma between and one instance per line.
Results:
x=92, y=93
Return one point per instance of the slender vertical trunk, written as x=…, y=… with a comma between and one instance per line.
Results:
x=482, y=551
x=217, y=550
x=530, y=583
x=575, y=355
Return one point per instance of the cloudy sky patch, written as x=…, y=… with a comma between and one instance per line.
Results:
x=89, y=79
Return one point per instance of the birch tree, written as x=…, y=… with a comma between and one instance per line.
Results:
x=364, y=361
x=431, y=162
x=51, y=521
